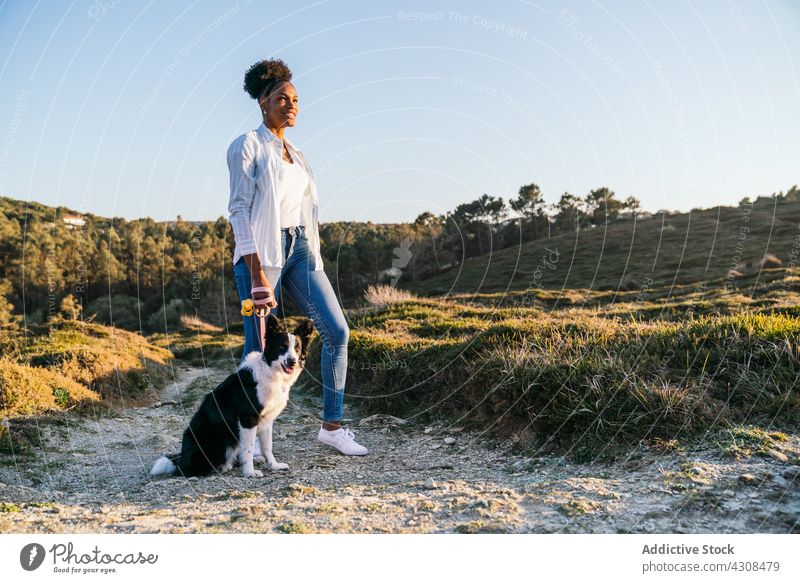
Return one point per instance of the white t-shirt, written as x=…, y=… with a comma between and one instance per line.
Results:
x=290, y=193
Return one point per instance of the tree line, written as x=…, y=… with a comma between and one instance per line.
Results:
x=143, y=274
x=361, y=254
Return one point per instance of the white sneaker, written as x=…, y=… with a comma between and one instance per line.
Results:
x=343, y=440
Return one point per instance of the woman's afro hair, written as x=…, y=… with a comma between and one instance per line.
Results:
x=264, y=75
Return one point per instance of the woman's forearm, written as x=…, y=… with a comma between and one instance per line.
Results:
x=259, y=280
x=257, y=274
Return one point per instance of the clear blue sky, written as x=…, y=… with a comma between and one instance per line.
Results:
x=127, y=108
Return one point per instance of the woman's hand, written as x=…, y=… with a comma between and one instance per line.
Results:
x=259, y=280
x=266, y=293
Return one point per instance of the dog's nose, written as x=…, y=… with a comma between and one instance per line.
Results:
x=290, y=362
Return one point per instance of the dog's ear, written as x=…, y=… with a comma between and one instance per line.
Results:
x=304, y=330
x=274, y=325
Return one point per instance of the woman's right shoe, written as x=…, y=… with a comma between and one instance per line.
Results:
x=343, y=440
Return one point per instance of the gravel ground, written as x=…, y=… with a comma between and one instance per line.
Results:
x=92, y=476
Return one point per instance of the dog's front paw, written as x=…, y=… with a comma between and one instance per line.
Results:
x=273, y=467
x=253, y=473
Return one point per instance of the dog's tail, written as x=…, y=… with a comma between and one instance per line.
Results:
x=164, y=465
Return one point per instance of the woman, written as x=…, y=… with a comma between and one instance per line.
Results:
x=273, y=212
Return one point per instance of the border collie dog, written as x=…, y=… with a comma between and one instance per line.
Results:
x=224, y=428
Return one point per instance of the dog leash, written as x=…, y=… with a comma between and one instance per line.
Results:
x=259, y=309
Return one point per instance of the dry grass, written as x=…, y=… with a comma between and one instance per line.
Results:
x=583, y=378
x=65, y=362
x=381, y=296
x=195, y=324
x=26, y=390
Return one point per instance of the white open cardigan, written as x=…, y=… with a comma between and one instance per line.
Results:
x=254, y=163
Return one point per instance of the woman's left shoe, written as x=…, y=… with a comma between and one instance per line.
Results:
x=343, y=440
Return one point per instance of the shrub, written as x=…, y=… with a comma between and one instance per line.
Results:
x=70, y=308
x=112, y=363
x=118, y=310
x=27, y=390
x=167, y=317
x=6, y=307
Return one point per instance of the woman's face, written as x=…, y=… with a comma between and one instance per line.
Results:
x=281, y=106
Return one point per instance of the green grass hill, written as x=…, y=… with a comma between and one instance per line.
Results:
x=720, y=246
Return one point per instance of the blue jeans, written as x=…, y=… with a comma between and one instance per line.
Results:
x=312, y=292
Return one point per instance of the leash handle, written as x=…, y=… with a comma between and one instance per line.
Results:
x=260, y=309
x=262, y=301
x=249, y=308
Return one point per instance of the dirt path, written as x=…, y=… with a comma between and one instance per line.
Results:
x=92, y=477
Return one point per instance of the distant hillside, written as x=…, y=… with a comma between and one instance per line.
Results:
x=718, y=246
x=133, y=273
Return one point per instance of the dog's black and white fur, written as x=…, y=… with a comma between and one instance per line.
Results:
x=224, y=428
